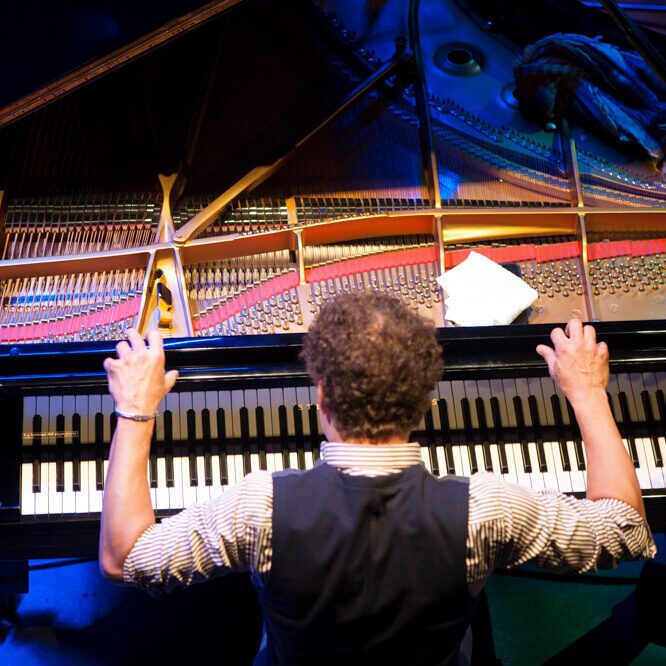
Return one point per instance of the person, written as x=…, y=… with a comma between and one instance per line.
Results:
x=367, y=557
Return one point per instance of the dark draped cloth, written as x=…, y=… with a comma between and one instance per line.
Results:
x=612, y=91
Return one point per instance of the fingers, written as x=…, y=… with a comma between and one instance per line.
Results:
x=135, y=339
x=590, y=335
x=155, y=341
x=170, y=379
x=123, y=349
x=574, y=329
x=108, y=362
x=558, y=336
x=547, y=353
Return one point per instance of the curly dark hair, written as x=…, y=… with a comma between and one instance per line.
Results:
x=377, y=362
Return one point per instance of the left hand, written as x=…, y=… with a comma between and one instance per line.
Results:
x=137, y=380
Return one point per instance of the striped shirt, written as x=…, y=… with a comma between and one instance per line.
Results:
x=508, y=525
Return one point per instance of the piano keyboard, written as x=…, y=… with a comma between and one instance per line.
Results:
x=521, y=429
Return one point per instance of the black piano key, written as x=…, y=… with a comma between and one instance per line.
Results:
x=315, y=438
x=578, y=442
x=298, y=436
x=469, y=435
x=652, y=423
x=536, y=426
x=114, y=424
x=261, y=436
x=561, y=439
x=37, y=454
x=222, y=445
x=207, y=453
x=520, y=420
x=430, y=441
x=99, y=451
x=60, y=454
x=661, y=406
x=483, y=431
x=168, y=447
x=152, y=460
x=499, y=437
x=190, y=419
x=284, y=436
x=626, y=419
x=76, y=452
x=245, y=440
x=446, y=435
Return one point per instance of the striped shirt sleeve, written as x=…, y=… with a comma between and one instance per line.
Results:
x=511, y=525
x=230, y=533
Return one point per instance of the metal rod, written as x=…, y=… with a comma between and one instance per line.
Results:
x=637, y=39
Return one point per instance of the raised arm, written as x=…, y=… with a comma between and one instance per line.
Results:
x=579, y=365
x=138, y=383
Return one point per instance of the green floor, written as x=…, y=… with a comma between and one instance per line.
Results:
x=588, y=620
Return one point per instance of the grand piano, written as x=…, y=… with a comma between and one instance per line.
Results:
x=221, y=177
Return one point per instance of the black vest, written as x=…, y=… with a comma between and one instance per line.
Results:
x=366, y=570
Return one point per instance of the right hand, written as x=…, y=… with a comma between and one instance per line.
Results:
x=137, y=380
x=577, y=362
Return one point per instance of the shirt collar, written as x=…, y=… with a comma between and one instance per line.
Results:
x=376, y=457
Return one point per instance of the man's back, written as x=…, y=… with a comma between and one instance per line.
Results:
x=366, y=569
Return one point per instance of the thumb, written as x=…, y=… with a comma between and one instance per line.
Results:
x=547, y=353
x=170, y=379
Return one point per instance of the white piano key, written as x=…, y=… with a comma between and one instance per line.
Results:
x=82, y=497
x=81, y=408
x=27, y=496
x=276, y=401
x=237, y=401
x=550, y=477
x=54, y=497
x=290, y=401
x=108, y=407
x=425, y=458
x=216, y=488
x=303, y=400
x=198, y=405
x=460, y=461
x=211, y=406
x=534, y=387
x=159, y=420
x=94, y=496
x=151, y=490
x=264, y=401
x=42, y=497
x=173, y=405
x=538, y=482
x=237, y=458
x=446, y=394
x=29, y=411
x=224, y=402
x=68, y=503
x=250, y=401
x=202, y=490
x=557, y=479
x=309, y=459
x=176, y=498
x=578, y=478
x=522, y=478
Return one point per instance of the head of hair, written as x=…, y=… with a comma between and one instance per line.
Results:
x=377, y=362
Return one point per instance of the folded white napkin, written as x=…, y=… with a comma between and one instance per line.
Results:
x=480, y=292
